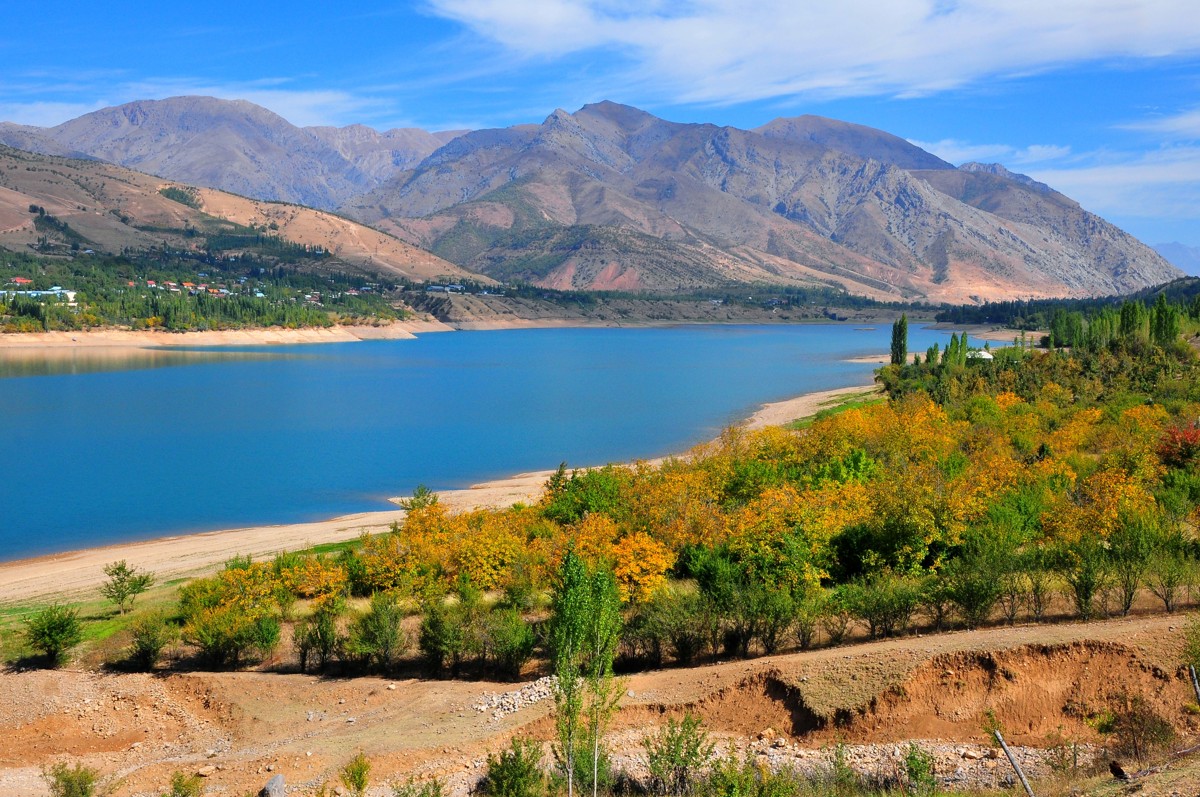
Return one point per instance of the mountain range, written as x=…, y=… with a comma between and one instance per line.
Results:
x=612, y=197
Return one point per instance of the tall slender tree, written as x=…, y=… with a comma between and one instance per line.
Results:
x=900, y=340
x=568, y=642
x=603, y=636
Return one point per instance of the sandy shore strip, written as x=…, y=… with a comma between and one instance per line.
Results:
x=780, y=412
x=271, y=336
x=69, y=575
x=72, y=575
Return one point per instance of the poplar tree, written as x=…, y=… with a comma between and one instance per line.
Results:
x=568, y=640
x=900, y=340
x=603, y=636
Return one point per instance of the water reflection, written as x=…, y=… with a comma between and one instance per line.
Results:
x=17, y=362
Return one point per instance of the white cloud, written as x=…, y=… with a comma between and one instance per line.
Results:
x=1182, y=125
x=959, y=152
x=44, y=114
x=728, y=51
x=301, y=108
x=1161, y=184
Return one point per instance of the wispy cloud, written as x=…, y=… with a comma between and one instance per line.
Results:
x=959, y=152
x=299, y=106
x=1164, y=183
x=729, y=51
x=1185, y=125
x=44, y=114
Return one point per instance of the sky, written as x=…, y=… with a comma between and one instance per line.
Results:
x=1098, y=98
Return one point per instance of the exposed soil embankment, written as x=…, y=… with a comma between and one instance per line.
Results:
x=1035, y=692
x=1041, y=682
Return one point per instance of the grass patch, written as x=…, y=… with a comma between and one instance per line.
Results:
x=835, y=406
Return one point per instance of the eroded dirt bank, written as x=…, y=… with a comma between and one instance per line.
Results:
x=1041, y=683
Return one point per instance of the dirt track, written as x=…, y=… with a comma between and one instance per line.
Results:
x=1039, y=680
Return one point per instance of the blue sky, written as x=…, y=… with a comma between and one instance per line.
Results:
x=1098, y=98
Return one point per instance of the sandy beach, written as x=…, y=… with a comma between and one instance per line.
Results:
x=68, y=576
x=271, y=336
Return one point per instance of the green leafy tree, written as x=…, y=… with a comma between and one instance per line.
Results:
x=54, y=631
x=602, y=637
x=900, y=340
x=124, y=584
x=569, y=620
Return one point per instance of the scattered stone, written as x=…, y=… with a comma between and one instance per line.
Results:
x=391, y=687
x=206, y=771
x=973, y=755
x=275, y=788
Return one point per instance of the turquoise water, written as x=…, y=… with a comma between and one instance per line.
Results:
x=100, y=450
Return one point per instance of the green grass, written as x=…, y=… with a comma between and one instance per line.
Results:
x=103, y=627
x=848, y=401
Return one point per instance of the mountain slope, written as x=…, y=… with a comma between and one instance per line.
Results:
x=235, y=146
x=109, y=208
x=796, y=201
x=612, y=197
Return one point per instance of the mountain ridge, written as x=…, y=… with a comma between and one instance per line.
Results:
x=611, y=196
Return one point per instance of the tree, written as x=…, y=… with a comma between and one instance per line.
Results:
x=1164, y=322
x=900, y=340
x=124, y=584
x=603, y=635
x=54, y=631
x=568, y=640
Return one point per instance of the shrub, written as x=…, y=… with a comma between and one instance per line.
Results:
x=376, y=636
x=226, y=635
x=356, y=775
x=510, y=641
x=835, y=616
x=152, y=633
x=443, y=638
x=676, y=755
x=918, y=771
x=1084, y=566
x=185, y=785
x=516, y=772
x=318, y=636
x=1139, y=730
x=71, y=781
x=885, y=602
x=54, y=631
x=428, y=788
x=809, y=610
x=972, y=584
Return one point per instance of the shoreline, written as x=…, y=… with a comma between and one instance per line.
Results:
x=113, y=339
x=262, y=336
x=70, y=574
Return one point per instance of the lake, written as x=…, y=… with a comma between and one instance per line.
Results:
x=104, y=447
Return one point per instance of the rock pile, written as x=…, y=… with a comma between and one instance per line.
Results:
x=505, y=703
